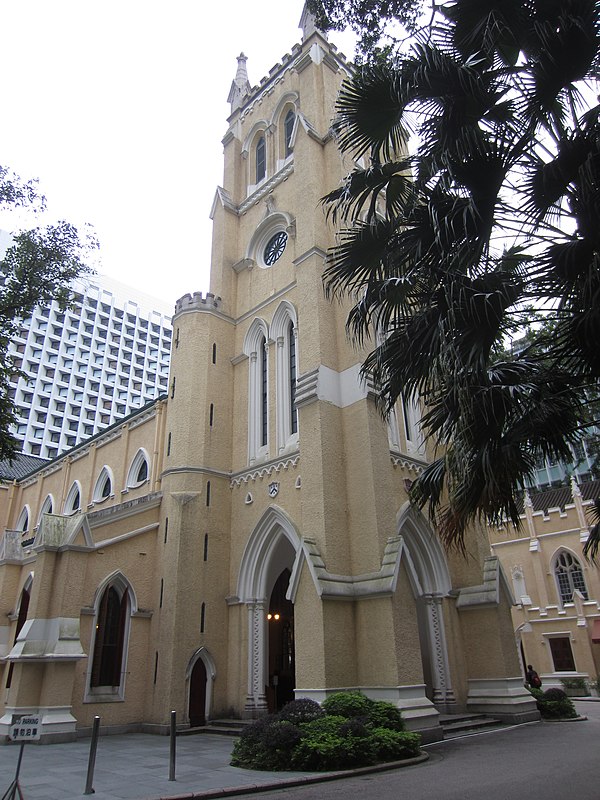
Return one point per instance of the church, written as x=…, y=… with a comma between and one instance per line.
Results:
x=247, y=538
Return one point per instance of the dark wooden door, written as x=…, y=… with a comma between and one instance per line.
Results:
x=198, y=695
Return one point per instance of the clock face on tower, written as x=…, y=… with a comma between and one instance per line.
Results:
x=274, y=248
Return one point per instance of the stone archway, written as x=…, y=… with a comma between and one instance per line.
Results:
x=430, y=583
x=199, y=675
x=269, y=557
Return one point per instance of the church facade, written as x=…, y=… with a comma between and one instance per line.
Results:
x=557, y=589
x=247, y=539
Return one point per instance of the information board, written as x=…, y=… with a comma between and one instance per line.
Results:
x=25, y=728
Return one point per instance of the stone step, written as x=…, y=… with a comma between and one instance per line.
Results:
x=222, y=727
x=453, y=725
x=456, y=725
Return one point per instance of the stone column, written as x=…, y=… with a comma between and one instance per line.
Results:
x=256, y=701
x=442, y=688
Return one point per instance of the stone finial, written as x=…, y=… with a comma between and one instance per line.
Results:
x=240, y=86
x=308, y=23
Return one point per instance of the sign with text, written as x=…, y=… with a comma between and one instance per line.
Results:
x=25, y=728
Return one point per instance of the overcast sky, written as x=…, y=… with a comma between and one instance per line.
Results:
x=119, y=108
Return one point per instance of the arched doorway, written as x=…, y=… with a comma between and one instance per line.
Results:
x=430, y=583
x=280, y=619
x=268, y=561
x=197, y=705
x=200, y=676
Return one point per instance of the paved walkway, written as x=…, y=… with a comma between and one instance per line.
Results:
x=136, y=767
x=131, y=767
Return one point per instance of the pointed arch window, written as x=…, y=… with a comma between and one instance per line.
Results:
x=291, y=335
x=104, y=486
x=73, y=501
x=261, y=159
x=411, y=417
x=284, y=331
x=569, y=577
x=46, y=508
x=288, y=128
x=23, y=521
x=108, y=644
x=256, y=348
x=139, y=469
x=115, y=603
x=264, y=392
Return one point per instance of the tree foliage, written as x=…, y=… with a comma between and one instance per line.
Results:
x=38, y=266
x=370, y=20
x=445, y=250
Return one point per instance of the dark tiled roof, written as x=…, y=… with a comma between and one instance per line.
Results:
x=590, y=490
x=560, y=496
x=20, y=466
x=551, y=498
x=25, y=465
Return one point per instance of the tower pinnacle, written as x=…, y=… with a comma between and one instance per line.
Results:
x=308, y=23
x=240, y=85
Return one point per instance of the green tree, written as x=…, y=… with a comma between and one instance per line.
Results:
x=444, y=251
x=371, y=20
x=38, y=266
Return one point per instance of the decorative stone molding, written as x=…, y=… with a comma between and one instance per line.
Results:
x=256, y=473
x=408, y=462
x=341, y=389
x=256, y=701
x=349, y=587
x=223, y=198
x=314, y=251
x=142, y=418
x=126, y=509
x=487, y=593
x=266, y=187
x=244, y=263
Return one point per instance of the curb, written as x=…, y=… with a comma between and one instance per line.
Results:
x=286, y=783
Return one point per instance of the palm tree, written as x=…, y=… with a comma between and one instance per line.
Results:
x=445, y=252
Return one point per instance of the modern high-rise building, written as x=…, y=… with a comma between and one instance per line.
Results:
x=89, y=365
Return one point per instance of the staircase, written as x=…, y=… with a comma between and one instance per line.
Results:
x=222, y=727
x=453, y=725
x=457, y=725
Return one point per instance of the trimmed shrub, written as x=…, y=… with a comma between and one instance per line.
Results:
x=385, y=715
x=302, y=710
x=355, y=726
x=577, y=687
x=349, y=731
x=555, y=695
x=554, y=704
x=333, y=742
x=266, y=745
x=347, y=704
x=393, y=745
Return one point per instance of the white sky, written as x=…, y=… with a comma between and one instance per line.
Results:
x=119, y=108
